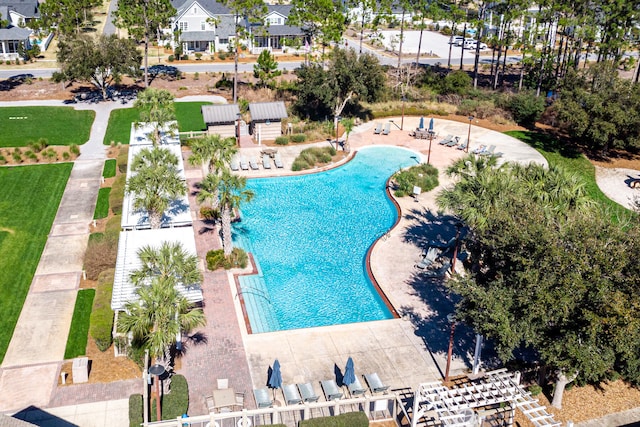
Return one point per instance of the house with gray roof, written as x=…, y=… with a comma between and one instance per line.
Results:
x=275, y=33
x=17, y=14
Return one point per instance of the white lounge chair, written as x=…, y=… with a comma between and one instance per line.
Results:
x=447, y=139
x=243, y=164
x=387, y=128
x=234, y=164
x=262, y=398
x=375, y=385
x=378, y=129
x=331, y=390
x=266, y=161
x=355, y=388
x=488, y=152
x=291, y=394
x=308, y=393
x=253, y=164
x=278, y=161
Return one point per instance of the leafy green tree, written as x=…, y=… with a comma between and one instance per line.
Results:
x=66, y=17
x=266, y=69
x=142, y=19
x=232, y=193
x=102, y=61
x=544, y=279
x=155, y=182
x=526, y=108
x=323, y=20
x=161, y=313
x=157, y=108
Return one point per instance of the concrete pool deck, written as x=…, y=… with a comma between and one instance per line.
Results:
x=405, y=351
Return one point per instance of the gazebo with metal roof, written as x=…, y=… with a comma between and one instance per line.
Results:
x=266, y=119
x=221, y=119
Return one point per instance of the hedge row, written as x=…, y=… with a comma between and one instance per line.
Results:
x=101, y=323
x=116, y=197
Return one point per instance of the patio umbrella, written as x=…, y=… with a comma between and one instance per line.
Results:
x=349, y=373
x=421, y=123
x=275, y=379
x=431, y=125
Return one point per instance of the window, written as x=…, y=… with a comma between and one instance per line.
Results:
x=203, y=25
x=195, y=10
x=183, y=25
x=224, y=41
x=13, y=46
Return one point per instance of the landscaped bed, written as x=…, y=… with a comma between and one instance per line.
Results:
x=58, y=125
x=30, y=195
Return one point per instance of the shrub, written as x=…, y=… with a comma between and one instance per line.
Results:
x=526, y=108
x=198, y=58
x=176, y=403
x=534, y=389
x=50, y=154
x=171, y=58
x=17, y=156
x=456, y=82
x=313, y=156
x=209, y=214
x=350, y=419
x=116, y=198
x=3, y=160
x=222, y=55
x=185, y=57
x=282, y=140
x=101, y=323
x=113, y=227
x=237, y=259
x=122, y=160
x=31, y=155
x=75, y=150
x=135, y=410
x=300, y=137
x=66, y=155
x=423, y=176
x=100, y=255
x=39, y=145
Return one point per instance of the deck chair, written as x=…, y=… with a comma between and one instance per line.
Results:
x=464, y=144
x=488, y=152
x=331, y=390
x=375, y=385
x=479, y=149
x=278, y=161
x=291, y=395
x=453, y=142
x=387, y=128
x=355, y=388
x=308, y=393
x=378, y=129
x=253, y=164
x=266, y=162
x=430, y=257
x=243, y=164
x=447, y=139
x=234, y=164
x=439, y=272
x=262, y=398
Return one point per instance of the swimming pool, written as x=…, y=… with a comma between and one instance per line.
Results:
x=309, y=236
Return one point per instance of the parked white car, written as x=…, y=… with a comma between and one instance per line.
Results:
x=455, y=39
x=472, y=44
x=461, y=41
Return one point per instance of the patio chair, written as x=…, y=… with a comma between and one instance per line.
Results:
x=262, y=398
x=243, y=164
x=479, y=149
x=331, y=390
x=308, y=393
x=464, y=144
x=234, y=164
x=355, y=388
x=447, y=139
x=291, y=394
x=378, y=129
x=387, y=128
x=278, y=161
x=439, y=272
x=375, y=385
x=430, y=258
x=488, y=152
x=453, y=142
x=266, y=162
x=253, y=164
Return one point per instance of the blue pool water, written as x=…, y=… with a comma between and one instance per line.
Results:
x=309, y=236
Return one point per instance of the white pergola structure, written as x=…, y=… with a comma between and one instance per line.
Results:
x=456, y=407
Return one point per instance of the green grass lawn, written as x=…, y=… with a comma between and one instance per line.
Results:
x=102, y=205
x=109, y=169
x=58, y=125
x=572, y=160
x=79, y=330
x=30, y=199
x=188, y=115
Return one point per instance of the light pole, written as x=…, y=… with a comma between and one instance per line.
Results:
x=404, y=99
x=157, y=370
x=238, y=117
x=455, y=248
x=469, y=135
x=337, y=122
x=452, y=321
x=431, y=134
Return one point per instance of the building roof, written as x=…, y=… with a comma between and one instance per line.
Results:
x=211, y=6
x=220, y=114
x=283, y=30
x=195, y=36
x=127, y=261
x=261, y=111
x=178, y=214
x=25, y=8
x=14, y=33
x=282, y=9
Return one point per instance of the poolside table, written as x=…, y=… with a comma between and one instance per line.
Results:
x=224, y=398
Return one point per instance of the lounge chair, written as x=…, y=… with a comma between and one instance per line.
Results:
x=488, y=152
x=439, y=272
x=291, y=395
x=453, y=142
x=253, y=164
x=387, y=128
x=243, y=164
x=234, y=164
x=266, y=162
x=308, y=393
x=430, y=257
x=378, y=129
x=479, y=149
x=464, y=144
x=331, y=390
x=355, y=388
x=447, y=139
x=375, y=385
x=278, y=161
x=262, y=398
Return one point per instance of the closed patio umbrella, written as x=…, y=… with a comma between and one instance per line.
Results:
x=349, y=373
x=421, y=123
x=275, y=379
x=431, y=125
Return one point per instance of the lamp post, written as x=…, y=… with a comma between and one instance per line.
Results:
x=452, y=321
x=337, y=122
x=455, y=248
x=238, y=117
x=157, y=370
x=404, y=99
x=469, y=135
x=431, y=134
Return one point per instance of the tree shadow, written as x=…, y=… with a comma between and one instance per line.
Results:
x=14, y=81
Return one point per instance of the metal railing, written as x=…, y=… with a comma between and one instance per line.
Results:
x=377, y=407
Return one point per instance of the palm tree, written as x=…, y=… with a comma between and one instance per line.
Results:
x=156, y=108
x=348, y=125
x=161, y=312
x=213, y=152
x=232, y=195
x=209, y=191
x=155, y=182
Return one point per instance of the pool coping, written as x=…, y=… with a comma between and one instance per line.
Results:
x=385, y=299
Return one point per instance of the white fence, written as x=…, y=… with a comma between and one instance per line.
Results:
x=379, y=407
